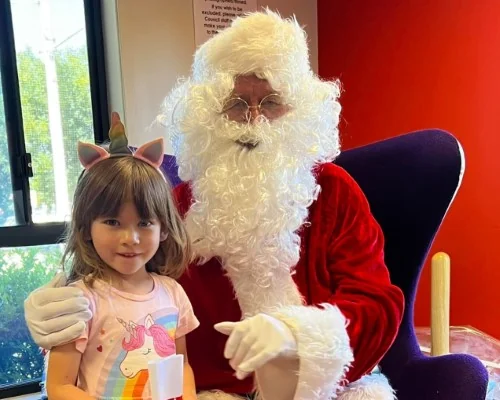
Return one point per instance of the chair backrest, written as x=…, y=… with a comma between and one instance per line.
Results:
x=410, y=182
x=170, y=169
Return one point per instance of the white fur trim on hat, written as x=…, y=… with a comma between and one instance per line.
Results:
x=263, y=43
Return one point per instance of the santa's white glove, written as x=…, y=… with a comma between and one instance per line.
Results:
x=255, y=341
x=56, y=315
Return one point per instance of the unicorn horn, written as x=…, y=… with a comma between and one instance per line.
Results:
x=117, y=136
x=121, y=321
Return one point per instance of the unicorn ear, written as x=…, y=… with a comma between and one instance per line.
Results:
x=149, y=321
x=151, y=152
x=89, y=154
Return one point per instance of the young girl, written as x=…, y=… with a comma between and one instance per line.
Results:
x=126, y=244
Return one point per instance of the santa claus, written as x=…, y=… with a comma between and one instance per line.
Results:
x=290, y=286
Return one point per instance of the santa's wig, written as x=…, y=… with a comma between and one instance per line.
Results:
x=272, y=48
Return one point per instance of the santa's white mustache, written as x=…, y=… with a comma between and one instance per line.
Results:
x=249, y=134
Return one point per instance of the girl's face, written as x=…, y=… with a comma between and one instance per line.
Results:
x=126, y=243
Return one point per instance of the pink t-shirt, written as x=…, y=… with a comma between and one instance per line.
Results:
x=126, y=331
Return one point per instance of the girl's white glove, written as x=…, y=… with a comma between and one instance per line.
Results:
x=56, y=314
x=255, y=341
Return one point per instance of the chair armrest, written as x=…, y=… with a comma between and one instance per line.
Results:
x=448, y=377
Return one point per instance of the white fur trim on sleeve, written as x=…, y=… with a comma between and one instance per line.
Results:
x=323, y=349
x=369, y=387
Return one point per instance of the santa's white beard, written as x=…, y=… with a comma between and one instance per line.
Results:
x=250, y=203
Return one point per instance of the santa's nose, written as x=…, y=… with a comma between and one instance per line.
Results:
x=253, y=113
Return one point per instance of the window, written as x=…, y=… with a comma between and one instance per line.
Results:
x=52, y=95
x=6, y=195
x=53, y=75
x=23, y=269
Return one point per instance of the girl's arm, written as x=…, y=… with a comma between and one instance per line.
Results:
x=189, y=387
x=64, y=362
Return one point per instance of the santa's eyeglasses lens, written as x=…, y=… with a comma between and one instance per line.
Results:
x=271, y=106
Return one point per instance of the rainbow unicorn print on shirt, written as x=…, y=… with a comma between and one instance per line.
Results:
x=127, y=367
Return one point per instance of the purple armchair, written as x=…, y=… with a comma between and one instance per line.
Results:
x=410, y=181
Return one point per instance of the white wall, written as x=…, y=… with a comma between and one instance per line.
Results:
x=150, y=43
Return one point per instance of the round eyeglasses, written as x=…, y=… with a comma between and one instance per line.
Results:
x=272, y=106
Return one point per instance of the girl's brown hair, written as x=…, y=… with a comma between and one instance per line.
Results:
x=100, y=192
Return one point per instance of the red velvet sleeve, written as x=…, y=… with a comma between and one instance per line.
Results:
x=183, y=197
x=362, y=289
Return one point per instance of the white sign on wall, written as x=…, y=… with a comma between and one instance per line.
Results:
x=211, y=16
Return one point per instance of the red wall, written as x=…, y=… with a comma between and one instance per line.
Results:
x=408, y=65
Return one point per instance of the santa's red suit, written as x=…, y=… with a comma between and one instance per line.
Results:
x=341, y=263
x=289, y=255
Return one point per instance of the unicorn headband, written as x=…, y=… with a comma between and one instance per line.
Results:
x=90, y=154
